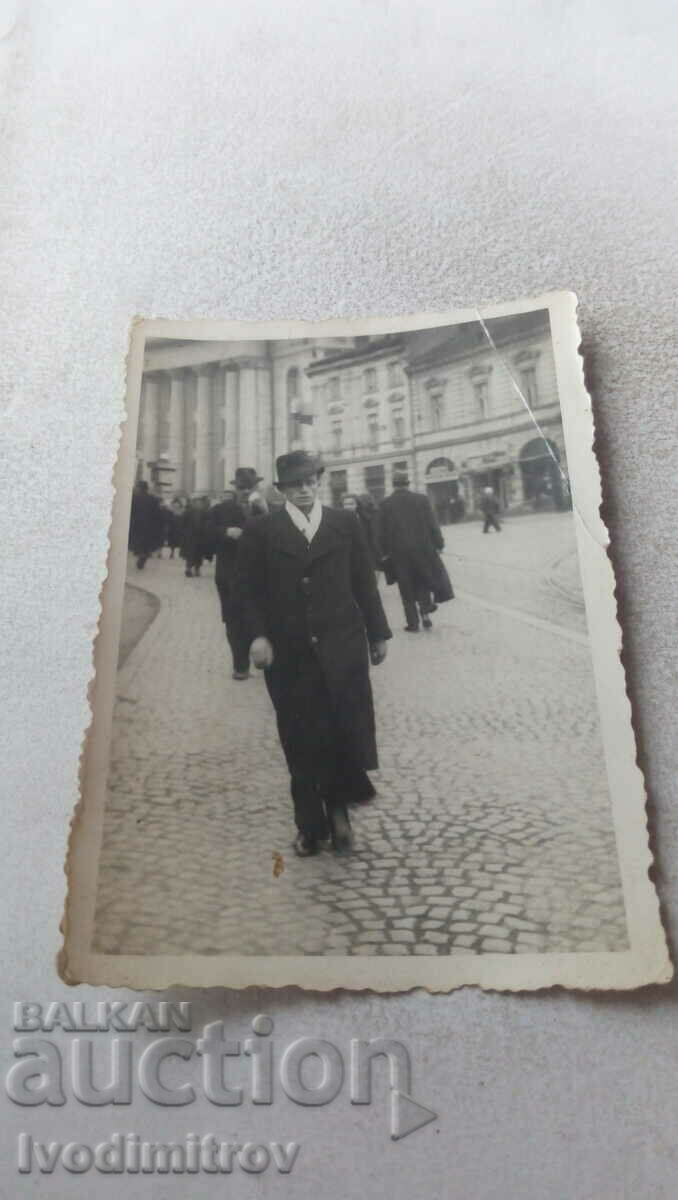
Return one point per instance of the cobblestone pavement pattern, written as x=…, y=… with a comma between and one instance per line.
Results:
x=491, y=831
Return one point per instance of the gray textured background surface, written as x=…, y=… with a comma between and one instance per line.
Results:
x=321, y=159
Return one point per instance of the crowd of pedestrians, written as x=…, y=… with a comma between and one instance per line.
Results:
x=298, y=587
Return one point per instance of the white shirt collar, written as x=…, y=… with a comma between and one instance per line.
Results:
x=308, y=525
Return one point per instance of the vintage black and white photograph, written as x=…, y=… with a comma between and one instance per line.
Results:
x=355, y=714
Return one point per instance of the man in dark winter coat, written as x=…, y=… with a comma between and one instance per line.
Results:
x=224, y=526
x=411, y=541
x=307, y=589
x=146, y=524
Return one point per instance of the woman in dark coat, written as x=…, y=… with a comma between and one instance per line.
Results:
x=306, y=588
x=368, y=514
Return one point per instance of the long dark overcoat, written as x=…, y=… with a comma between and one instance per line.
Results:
x=319, y=606
x=192, y=534
x=146, y=526
x=412, y=540
x=224, y=516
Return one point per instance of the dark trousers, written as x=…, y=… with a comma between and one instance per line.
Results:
x=236, y=634
x=491, y=521
x=415, y=593
x=323, y=779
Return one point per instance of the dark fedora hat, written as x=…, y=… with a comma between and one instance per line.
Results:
x=401, y=479
x=246, y=477
x=297, y=466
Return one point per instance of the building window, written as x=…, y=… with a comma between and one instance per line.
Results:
x=293, y=383
x=481, y=391
x=437, y=411
x=375, y=482
x=336, y=439
x=528, y=385
x=370, y=377
x=398, y=427
x=335, y=389
x=373, y=432
x=393, y=372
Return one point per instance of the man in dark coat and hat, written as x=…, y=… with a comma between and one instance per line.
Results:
x=224, y=525
x=308, y=592
x=146, y=524
x=412, y=541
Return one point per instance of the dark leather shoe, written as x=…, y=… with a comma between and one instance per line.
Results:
x=240, y=675
x=304, y=845
x=411, y=629
x=342, y=838
x=427, y=622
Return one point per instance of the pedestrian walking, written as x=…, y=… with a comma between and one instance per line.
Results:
x=146, y=525
x=192, y=548
x=173, y=516
x=367, y=513
x=489, y=506
x=314, y=616
x=224, y=527
x=411, y=540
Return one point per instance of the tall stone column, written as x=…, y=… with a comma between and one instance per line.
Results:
x=265, y=422
x=149, y=431
x=175, y=449
x=202, y=431
x=232, y=418
x=248, y=414
x=216, y=428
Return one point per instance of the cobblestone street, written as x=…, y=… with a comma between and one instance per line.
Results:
x=491, y=830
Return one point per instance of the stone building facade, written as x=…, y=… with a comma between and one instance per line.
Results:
x=443, y=404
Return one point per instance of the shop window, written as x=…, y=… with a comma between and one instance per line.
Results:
x=375, y=482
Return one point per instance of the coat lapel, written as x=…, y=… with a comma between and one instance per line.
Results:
x=288, y=538
x=328, y=536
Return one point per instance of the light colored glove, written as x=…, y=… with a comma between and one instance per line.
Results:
x=378, y=653
x=234, y=532
x=261, y=653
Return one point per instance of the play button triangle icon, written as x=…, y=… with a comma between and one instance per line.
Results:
x=407, y=1115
